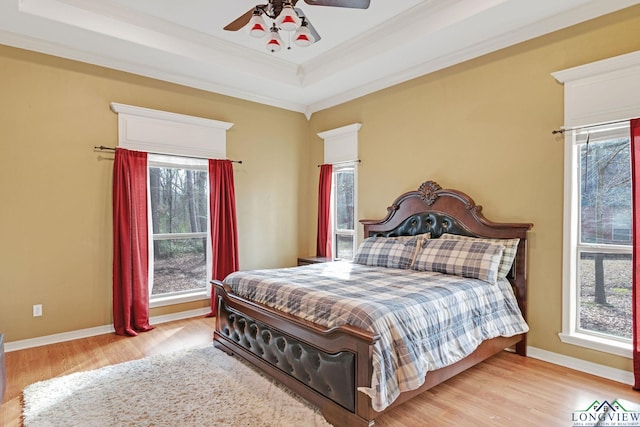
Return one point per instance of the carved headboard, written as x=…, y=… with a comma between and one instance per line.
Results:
x=436, y=210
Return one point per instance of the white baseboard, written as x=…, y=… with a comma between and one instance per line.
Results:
x=596, y=369
x=98, y=330
x=614, y=374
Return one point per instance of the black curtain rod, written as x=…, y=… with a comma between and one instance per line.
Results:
x=348, y=161
x=102, y=147
x=587, y=127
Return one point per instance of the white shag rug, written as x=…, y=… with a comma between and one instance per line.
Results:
x=201, y=387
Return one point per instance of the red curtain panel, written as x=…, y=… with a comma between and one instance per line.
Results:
x=635, y=291
x=224, y=231
x=323, y=242
x=130, y=243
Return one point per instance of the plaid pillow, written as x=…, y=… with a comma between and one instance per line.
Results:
x=508, y=255
x=390, y=252
x=477, y=260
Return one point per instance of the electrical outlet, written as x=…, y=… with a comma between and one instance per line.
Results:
x=37, y=310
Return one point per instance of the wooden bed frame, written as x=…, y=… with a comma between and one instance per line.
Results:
x=326, y=366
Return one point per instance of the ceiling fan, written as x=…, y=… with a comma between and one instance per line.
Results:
x=287, y=17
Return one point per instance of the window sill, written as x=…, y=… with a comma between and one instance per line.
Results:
x=598, y=343
x=162, y=301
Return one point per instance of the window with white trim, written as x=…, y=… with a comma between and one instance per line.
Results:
x=180, y=255
x=600, y=244
x=343, y=206
x=599, y=100
x=341, y=151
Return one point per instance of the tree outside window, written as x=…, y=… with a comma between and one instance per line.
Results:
x=344, y=211
x=604, y=246
x=179, y=221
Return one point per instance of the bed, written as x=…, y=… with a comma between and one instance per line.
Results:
x=340, y=362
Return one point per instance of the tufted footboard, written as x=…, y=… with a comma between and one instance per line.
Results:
x=324, y=366
x=332, y=375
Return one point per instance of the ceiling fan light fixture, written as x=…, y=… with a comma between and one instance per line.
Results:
x=303, y=37
x=283, y=15
x=288, y=19
x=257, y=26
x=274, y=43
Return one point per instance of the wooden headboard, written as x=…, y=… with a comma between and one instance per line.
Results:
x=432, y=209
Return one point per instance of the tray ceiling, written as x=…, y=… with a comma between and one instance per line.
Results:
x=361, y=51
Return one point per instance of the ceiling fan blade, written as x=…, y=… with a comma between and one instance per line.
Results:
x=353, y=4
x=241, y=21
x=312, y=30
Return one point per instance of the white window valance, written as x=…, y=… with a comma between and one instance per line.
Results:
x=341, y=144
x=602, y=91
x=162, y=132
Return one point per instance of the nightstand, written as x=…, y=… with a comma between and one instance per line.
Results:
x=313, y=260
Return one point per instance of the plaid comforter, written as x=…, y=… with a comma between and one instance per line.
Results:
x=425, y=320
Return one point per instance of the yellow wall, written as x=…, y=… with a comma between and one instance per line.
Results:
x=55, y=190
x=484, y=127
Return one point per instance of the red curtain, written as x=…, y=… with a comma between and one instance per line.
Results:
x=323, y=242
x=224, y=232
x=635, y=291
x=130, y=244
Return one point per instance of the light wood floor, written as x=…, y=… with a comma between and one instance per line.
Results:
x=506, y=390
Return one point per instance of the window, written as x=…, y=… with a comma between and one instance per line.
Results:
x=341, y=150
x=596, y=301
x=178, y=196
x=344, y=211
x=179, y=239
x=600, y=246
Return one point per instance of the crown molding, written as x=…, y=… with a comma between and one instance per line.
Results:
x=155, y=48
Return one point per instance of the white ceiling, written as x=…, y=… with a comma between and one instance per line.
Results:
x=361, y=51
